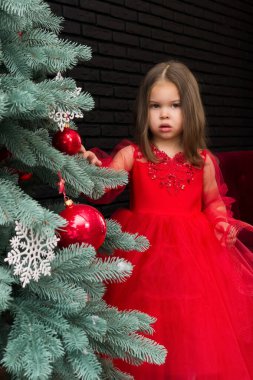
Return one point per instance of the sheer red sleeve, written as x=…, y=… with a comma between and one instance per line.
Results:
x=217, y=205
x=122, y=158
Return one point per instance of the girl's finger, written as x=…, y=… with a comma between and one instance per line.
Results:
x=91, y=157
x=98, y=162
x=85, y=154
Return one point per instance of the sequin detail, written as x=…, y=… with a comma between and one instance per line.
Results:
x=173, y=173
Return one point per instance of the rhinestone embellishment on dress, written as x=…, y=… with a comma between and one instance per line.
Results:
x=174, y=173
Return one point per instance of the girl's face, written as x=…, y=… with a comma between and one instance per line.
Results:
x=164, y=112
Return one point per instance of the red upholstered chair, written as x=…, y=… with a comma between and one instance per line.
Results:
x=237, y=170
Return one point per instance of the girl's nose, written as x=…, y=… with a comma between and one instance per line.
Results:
x=164, y=114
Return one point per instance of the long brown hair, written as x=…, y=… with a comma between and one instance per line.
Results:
x=193, y=136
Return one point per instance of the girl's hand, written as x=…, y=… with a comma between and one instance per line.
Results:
x=226, y=234
x=90, y=156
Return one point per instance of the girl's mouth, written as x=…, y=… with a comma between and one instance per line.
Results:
x=165, y=128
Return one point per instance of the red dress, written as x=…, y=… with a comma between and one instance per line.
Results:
x=199, y=289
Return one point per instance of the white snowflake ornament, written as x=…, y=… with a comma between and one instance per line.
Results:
x=62, y=117
x=31, y=254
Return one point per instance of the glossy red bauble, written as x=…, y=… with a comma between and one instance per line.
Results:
x=24, y=176
x=85, y=225
x=67, y=141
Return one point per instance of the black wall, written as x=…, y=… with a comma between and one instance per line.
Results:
x=214, y=38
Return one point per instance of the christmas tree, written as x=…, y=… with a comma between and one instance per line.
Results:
x=54, y=321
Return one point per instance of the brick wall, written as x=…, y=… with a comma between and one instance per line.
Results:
x=213, y=37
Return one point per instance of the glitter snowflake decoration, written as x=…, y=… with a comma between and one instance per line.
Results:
x=62, y=117
x=31, y=254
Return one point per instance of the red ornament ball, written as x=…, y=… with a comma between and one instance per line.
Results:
x=85, y=225
x=67, y=141
x=23, y=176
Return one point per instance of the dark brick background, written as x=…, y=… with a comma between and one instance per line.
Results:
x=214, y=38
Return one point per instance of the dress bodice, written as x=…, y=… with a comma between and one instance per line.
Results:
x=171, y=186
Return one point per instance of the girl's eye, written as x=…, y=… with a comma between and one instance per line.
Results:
x=175, y=105
x=154, y=105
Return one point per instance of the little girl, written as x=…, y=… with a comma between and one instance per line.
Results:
x=197, y=277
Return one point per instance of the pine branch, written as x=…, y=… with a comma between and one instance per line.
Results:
x=31, y=148
x=15, y=60
x=114, y=352
x=119, y=337
x=123, y=323
x=20, y=56
x=6, y=281
x=70, y=309
x=22, y=102
x=77, y=176
x=75, y=339
x=39, y=37
x=16, y=7
x=3, y=102
x=40, y=311
x=39, y=13
x=29, y=100
x=14, y=138
x=14, y=353
x=76, y=173
x=30, y=352
x=103, y=177
x=16, y=205
x=40, y=123
x=77, y=264
x=63, y=370
x=94, y=326
x=113, y=269
x=144, y=321
x=135, y=346
x=85, y=365
x=11, y=22
x=71, y=264
x=70, y=258
x=114, y=333
x=95, y=291
x=64, y=56
x=50, y=288
x=81, y=177
x=9, y=175
x=77, y=182
x=41, y=16
x=117, y=317
x=110, y=372
x=9, y=82
x=116, y=239
x=94, y=308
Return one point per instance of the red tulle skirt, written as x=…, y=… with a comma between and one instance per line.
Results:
x=200, y=293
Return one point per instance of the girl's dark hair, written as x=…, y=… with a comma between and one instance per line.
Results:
x=193, y=136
